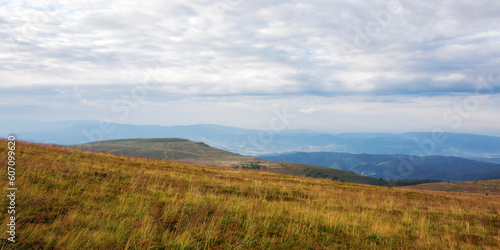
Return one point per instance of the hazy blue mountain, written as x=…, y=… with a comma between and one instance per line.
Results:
x=257, y=142
x=492, y=160
x=23, y=125
x=390, y=167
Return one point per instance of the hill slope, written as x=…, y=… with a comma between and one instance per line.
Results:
x=169, y=149
x=197, y=152
x=490, y=187
x=397, y=166
x=70, y=199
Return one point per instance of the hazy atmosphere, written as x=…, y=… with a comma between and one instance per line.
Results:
x=335, y=66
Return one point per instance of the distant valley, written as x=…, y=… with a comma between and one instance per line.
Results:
x=390, y=167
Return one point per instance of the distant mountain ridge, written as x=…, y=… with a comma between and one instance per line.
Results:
x=389, y=167
x=258, y=142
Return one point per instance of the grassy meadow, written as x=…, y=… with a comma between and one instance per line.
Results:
x=487, y=187
x=73, y=199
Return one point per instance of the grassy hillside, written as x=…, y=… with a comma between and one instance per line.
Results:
x=71, y=199
x=169, y=149
x=386, y=166
x=199, y=153
x=490, y=187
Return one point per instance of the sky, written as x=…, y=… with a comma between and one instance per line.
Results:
x=333, y=66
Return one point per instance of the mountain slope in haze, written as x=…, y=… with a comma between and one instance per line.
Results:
x=247, y=142
x=200, y=153
x=397, y=166
x=74, y=199
x=488, y=187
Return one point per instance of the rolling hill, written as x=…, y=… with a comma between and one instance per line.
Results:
x=389, y=167
x=170, y=149
x=73, y=199
x=197, y=152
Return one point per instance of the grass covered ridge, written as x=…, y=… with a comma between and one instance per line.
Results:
x=73, y=199
x=200, y=153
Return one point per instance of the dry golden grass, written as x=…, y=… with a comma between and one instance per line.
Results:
x=485, y=187
x=71, y=199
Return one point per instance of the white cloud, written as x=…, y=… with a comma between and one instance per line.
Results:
x=450, y=78
x=87, y=42
x=308, y=111
x=272, y=49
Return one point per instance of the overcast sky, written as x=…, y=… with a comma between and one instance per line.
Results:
x=337, y=66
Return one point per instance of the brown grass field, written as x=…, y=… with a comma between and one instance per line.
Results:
x=72, y=199
x=486, y=187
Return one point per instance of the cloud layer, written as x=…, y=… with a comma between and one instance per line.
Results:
x=87, y=53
